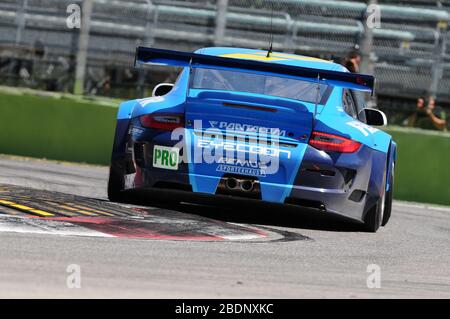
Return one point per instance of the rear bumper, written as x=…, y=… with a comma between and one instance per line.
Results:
x=306, y=201
x=335, y=201
x=341, y=193
x=311, y=190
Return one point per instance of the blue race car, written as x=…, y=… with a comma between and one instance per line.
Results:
x=242, y=124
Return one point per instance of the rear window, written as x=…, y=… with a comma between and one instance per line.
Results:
x=225, y=80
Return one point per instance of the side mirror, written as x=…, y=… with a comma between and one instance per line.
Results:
x=375, y=117
x=162, y=89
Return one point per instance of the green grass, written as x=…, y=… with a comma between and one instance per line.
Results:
x=56, y=128
x=423, y=166
x=79, y=130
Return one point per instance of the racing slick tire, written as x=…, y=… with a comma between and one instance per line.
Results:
x=374, y=217
x=116, y=193
x=388, y=199
x=115, y=185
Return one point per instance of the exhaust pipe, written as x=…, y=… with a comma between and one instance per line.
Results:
x=242, y=184
x=246, y=185
x=231, y=183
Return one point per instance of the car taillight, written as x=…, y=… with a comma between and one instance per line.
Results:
x=167, y=122
x=333, y=143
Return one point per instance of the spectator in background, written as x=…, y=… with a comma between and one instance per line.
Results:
x=438, y=121
x=353, y=61
x=39, y=49
x=419, y=113
x=428, y=112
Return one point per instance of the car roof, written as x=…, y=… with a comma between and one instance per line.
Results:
x=275, y=57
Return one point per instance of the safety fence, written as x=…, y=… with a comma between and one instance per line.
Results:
x=409, y=51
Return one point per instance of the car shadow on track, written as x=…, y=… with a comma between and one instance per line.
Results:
x=259, y=214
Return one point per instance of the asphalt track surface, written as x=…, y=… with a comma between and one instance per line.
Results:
x=191, y=251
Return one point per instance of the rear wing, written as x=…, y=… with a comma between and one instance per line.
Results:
x=361, y=82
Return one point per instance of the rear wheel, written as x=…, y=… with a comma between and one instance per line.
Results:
x=374, y=216
x=116, y=193
x=115, y=184
x=388, y=199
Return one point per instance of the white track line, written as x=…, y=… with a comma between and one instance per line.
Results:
x=241, y=237
x=20, y=224
x=422, y=206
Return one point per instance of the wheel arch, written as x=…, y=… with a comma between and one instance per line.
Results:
x=392, y=158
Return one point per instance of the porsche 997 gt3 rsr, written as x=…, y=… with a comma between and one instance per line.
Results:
x=283, y=128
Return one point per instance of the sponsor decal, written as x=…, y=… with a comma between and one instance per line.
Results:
x=241, y=166
x=148, y=100
x=247, y=128
x=241, y=162
x=240, y=170
x=214, y=145
x=243, y=148
x=363, y=128
x=165, y=157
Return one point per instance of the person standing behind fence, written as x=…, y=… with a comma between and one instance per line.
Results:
x=353, y=61
x=440, y=121
x=419, y=113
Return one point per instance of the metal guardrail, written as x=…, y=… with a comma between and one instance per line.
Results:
x=325, y=27
x=357, y=9
x=205, y=15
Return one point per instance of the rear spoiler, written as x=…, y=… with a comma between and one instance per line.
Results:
x=361, y=82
